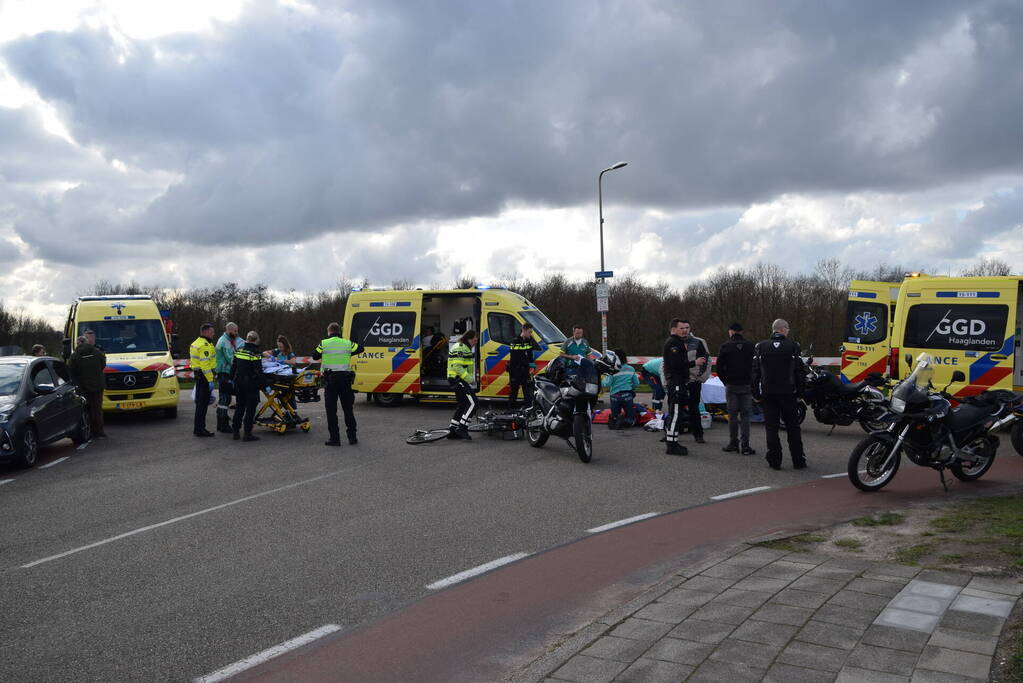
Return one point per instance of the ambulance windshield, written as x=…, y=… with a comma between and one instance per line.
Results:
x=547, y=330
x=127, y=336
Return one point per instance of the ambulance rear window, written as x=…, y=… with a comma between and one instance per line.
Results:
x=866, y=322
x=969, y=327
x=386, y=328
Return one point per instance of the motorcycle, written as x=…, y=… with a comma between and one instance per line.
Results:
x=561, y=403
x=923, y=424
x=837, y=404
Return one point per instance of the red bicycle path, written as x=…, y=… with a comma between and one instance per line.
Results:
x=494, y=625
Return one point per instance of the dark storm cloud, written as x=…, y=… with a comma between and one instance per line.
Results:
x=286, y=124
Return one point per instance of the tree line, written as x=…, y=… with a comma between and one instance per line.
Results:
x=813, y=303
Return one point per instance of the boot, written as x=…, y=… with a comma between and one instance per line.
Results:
x=236, y=435
x=675, y=448
x=249, y=436
x=223, y=423
x=732, y=447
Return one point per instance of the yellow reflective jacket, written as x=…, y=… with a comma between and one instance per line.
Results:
x=460, y=362
x=203, y=358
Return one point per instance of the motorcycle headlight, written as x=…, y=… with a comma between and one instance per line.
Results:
x=169, y=372
x=898, y=405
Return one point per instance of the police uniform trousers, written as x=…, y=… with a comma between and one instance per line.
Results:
x=338, y=389
x=245, y=411
x=520, y=380
x=784, y=407
x=467, y=401
x=202, y=402
x=677, y=396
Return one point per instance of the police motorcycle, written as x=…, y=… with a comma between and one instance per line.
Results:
x=923, y=424
x=562, y=399
x=837, y=404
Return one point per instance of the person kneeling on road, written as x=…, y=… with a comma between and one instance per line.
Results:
x=247, y=377
x=622, y=386
x=675, y=368
x=335, y=354
x=461, y=365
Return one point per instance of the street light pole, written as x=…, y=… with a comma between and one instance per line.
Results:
x=600, y=211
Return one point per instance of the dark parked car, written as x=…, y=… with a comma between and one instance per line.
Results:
x=38, y=405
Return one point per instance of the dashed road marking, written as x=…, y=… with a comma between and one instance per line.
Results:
x=836, y=475
x=267, y=654
x=736, y=494
x=84, y=445
x=475, y=571
x=622, y=522
x=5, y=481
x=55, y=462
x=178, y=519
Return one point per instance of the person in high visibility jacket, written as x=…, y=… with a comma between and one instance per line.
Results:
x=203, y=360
x=335, y=356
x=461, y=375
x=247, y=378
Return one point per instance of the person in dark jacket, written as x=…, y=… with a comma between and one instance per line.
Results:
x=735, y=370
x=86, y=366
x=699, y=372
x=247, y=379
x=520, y=365
x=675, y=368
x=778, y=374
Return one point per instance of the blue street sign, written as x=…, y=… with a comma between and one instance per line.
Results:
x=604, y=274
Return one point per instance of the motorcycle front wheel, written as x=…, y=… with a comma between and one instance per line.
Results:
x=535, y=432
x=581, y=434
x=873, y=463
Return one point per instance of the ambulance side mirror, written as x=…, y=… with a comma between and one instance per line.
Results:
x=65, y=348
x=958, y=376
x=175, y=346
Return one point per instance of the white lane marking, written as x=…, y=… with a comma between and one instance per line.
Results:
x=178, y=519
x=735, y=494
x=84, y=445
x=475, y=571
x=836, y=475
x=267, y=654
x=55, y=462
x=5, y=481
x=622, y=522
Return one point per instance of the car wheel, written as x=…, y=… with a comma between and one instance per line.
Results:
x=28, y=447
x=83, y=432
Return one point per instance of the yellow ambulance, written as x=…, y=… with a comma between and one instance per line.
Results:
x=130, y=329
x=970, y=324
x=402, y=358
x=869, y=315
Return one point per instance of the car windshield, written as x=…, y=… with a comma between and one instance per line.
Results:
x=10, y=377
x=547, y=330
x=127, y=336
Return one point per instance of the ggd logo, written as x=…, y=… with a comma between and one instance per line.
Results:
x=387, y=329
x=961, y=327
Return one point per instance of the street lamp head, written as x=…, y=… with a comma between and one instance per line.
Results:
x=619, y=165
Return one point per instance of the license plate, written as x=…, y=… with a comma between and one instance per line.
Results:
x=131, y=405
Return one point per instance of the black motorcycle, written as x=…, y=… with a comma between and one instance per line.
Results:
x=561, y=404
x=923, y=424
x=837, y=404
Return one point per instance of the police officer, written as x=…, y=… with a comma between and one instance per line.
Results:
x=247, y=378
x=461, y=374
x=778, y=374
x=675, y=366
x=520, y=362
x=202, y=358
x=335, y=356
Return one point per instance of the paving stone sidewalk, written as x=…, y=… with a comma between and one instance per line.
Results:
x=768, y=615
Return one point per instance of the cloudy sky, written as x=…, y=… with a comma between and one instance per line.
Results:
x=292, y=142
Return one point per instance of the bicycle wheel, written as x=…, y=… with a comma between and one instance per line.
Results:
x=427, y=435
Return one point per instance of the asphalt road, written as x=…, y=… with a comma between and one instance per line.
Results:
x=283, y=536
